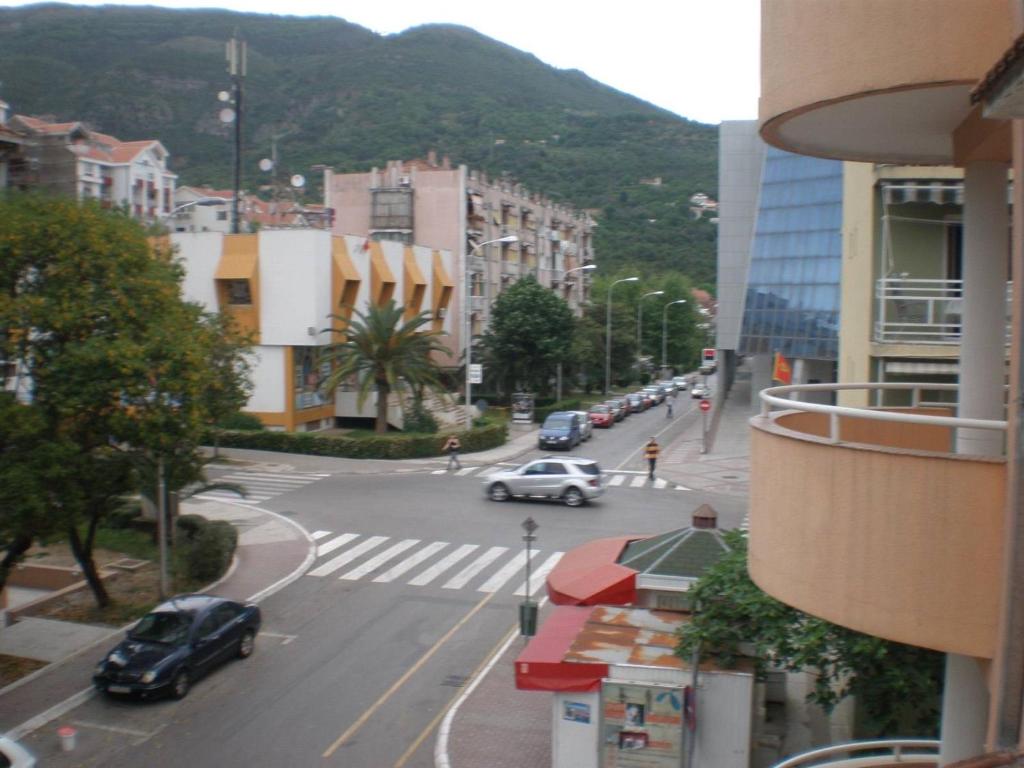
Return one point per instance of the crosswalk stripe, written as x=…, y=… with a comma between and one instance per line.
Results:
x=441, y=565
x=439, y=472
x=348, y=556
x=617, y=480
x=378, y=560
x=317, y=535
x=636, y=482
x=228, y=496
x=466, y=471
x=459, y=580
x=273, y=476
x=659, y=483
x=537, y=576
x=412, y=561
x=497, y=581
x=333, y=544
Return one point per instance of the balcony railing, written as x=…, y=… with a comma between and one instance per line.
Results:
x=510, y=268
x=477, y=303
x=476, y=263
x=913, y=311
x=861, y=754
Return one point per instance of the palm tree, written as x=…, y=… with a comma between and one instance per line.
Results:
x=386, y=353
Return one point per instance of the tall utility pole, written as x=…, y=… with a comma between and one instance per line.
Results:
x=237, y=58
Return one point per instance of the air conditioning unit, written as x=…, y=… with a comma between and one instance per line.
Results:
x=404, y=181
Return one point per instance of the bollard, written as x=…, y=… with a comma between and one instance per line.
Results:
x=67, y=736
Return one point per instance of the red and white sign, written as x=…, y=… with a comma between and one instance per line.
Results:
x=705, y=405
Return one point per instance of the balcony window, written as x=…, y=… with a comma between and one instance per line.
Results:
x=391, y=209
x=239, y=292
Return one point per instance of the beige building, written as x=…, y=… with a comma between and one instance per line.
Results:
x=454, y=209
x=907, y=522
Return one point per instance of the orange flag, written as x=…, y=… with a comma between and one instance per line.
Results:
x=781, y=371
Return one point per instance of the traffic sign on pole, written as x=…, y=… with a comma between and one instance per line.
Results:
x=705, y=405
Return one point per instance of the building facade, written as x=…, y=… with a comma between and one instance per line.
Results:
x=293, y=290
x=905, y=522
x=463, y=212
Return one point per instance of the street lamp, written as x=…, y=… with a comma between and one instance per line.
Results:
x=584, y=268
x=608, y=335
x=467, y=324
x=639, y=321
x=204, y=201
x=664, y=337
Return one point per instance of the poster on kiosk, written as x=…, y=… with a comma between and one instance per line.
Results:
x=642, y=725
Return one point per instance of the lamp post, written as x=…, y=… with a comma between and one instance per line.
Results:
x=468, y=326
x=237, y=64
x=664, y=337
x=584, y=268
x=608, y=335
x=201, y=201
x=528, y=608
x=639, y=321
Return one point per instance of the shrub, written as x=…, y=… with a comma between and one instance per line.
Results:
x=241, y=421
x=419, y=419
x=204, y=548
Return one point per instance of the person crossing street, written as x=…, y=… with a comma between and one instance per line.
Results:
x=669, y=402
x=452, y=447
x=651, y=451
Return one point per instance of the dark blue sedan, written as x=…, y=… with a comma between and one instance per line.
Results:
x=177, y=643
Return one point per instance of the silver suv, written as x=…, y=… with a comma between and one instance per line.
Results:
x=573, y=480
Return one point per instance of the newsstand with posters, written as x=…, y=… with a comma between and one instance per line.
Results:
x=522, y=408
x=642, y=725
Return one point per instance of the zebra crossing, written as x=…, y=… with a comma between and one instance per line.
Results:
x=380, y=559
x=260, y=486
x=616, y=478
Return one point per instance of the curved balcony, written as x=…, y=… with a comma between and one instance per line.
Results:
x=875, y=80
x=868, y=519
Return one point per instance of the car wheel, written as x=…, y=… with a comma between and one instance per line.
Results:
x=573, y=497
x=247, y=644
x=499, y=492
x=180, y=684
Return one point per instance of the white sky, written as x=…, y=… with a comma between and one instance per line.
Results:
x=697, y=58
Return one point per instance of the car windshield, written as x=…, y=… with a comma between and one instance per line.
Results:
x=557, y=422
x=589, y=469
x=169, y=628
x=599, y=409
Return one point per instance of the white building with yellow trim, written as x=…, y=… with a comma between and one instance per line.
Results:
x=282, y=286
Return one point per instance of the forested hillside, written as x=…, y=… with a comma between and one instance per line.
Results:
x=338, y=94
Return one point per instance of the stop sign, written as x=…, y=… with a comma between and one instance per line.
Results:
x=705, y=405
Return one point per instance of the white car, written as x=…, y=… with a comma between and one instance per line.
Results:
x=700, y=391
x=571, y=479
x=14, y=755
x=586, y=427
x=680, y=382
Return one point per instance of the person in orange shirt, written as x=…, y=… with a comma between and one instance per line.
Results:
x=651, y=451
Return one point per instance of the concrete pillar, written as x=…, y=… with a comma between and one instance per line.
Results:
x=965, y=698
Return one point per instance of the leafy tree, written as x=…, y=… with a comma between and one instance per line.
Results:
x=530, y=332
x=897, y=686
x=386, y=354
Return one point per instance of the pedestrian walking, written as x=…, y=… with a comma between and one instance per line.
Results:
x=651, y=451
x=669, y=401
x=453, y=446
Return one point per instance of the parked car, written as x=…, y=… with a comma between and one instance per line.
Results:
x=601, y=416
x=681, y=383
x=560, y=429
x=586, y=427
x=669, y=385
x=176, y=643
x=700, y=391
x=637, y=403
x=572, y=479
x=655, y=392
x=618, y=409
x=648, y=399
x=13, y=755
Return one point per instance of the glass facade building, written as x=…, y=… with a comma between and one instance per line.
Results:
x=792, y=292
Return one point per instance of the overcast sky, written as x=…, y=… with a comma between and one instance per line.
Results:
x=697, y=58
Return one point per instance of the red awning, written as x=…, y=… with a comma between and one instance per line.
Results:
x=542, y=666
x=590, y=575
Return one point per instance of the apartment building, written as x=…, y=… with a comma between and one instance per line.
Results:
x=455, y=209
x=282, y=285
x=73, y=160
x=905, y=520
x=205, y=209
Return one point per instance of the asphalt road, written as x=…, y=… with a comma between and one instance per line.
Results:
x=359, y=658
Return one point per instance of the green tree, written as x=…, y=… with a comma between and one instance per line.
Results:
x=896, y=686
x=530, y=333
x=386, y=353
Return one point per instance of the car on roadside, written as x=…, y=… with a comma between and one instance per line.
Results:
x=13, y=755
x=656, y=393
x=586, y=426
x=561, y=429
x=681, y=383
x=700, y=391
x=601, y=415
x=176, y=643
x=618, y=409
x=669, y=386
x=637, y=402
x=570, y=479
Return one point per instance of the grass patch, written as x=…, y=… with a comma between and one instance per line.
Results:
x=138, y=544
x=13, y=668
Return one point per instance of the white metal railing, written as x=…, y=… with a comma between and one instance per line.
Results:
x=886, y=752
x=510, y=268
x=918, y=311
x=477, y=303
x=773, y=397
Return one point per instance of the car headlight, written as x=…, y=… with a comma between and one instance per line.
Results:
x=101, y=668
x=563, y=438
x=148, y=677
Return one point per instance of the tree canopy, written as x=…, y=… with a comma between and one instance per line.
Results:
x=897, y=686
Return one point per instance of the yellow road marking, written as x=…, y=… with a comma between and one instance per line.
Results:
x=444, y=710
x=402, y=680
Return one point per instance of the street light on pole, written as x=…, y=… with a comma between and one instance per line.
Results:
x=664, y=337
x=608, y=335
x=199, y=201
x=467, y=324
x=639, y=321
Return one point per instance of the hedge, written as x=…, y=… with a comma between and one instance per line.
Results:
x=384, y=447
x=204, y=548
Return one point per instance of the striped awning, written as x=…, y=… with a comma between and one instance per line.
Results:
x=938, y=192
x=916, y=367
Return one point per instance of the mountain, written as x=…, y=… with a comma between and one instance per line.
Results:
x=336, y=93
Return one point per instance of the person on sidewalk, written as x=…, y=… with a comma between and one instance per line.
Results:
x=669, y=401
x=453, y=446
x=651, y=454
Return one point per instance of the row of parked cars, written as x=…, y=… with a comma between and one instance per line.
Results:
x=566, y=429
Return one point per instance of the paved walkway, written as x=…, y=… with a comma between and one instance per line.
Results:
x=494, y=725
